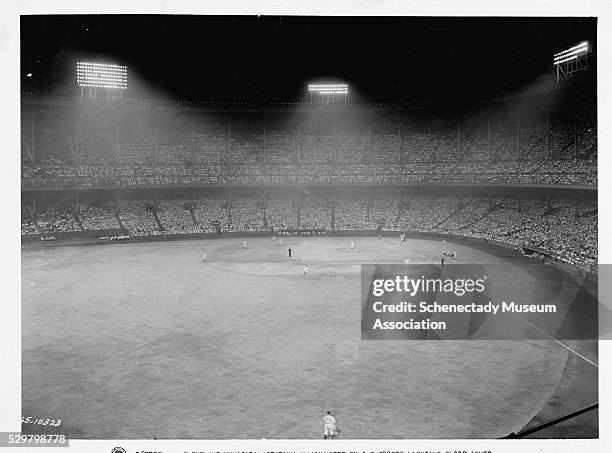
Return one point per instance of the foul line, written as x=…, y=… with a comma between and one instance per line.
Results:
x=553, y=338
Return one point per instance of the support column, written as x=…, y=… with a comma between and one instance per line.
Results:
x=547, y=135
x=76, y=144
x=399, y=142
x=458, y=139
x=575, y=139
x=117, y=143
x=264, y=141
x=300, y=158
x=33, y=141
x=488, y=140
x=229, y=210
x=229, y=146
x=335, y=144
x=155, y=146
x=518, y=135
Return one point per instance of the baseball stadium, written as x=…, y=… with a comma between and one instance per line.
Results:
x=192, y=269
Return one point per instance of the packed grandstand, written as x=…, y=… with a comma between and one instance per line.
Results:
x=559, y=226
x=84, y=162
x=532, y=149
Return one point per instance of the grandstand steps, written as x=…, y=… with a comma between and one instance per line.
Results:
x=553, y=211
x=516, y=230
x=496, y=206
x=458, y=208
x=541, y=244
x=400, y=212
x=588, y=154
x=590, y=212
x=193, y=217
x=564, y=148
x=533, y=147
x=118, y=219
x=78, y=220
x=398, y=217
x=40, y=230
x=157, y=220
x=475, y=221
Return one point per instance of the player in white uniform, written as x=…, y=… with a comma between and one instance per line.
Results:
x=306, y=269
x=244, y=244
x=454, y=255
x=204, y=257
x=329, y=429
x=280, y=242
x=352, y=245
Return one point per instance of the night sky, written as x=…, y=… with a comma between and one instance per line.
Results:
x=270, y=59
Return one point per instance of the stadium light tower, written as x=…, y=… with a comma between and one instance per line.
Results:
x=327, y=92
x=571, y=60
x=101, y=80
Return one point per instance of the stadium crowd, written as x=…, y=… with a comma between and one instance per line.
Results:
x=566, y=155
x=563, y=228
x=526, y=150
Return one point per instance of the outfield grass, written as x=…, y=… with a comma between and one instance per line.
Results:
x=144, y=340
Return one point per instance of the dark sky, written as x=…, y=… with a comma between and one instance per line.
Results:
x=267, y=59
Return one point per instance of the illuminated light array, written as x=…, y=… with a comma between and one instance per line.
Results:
x=571, y=53
x=573, y=57
x=101, y=75
x=328, y=88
